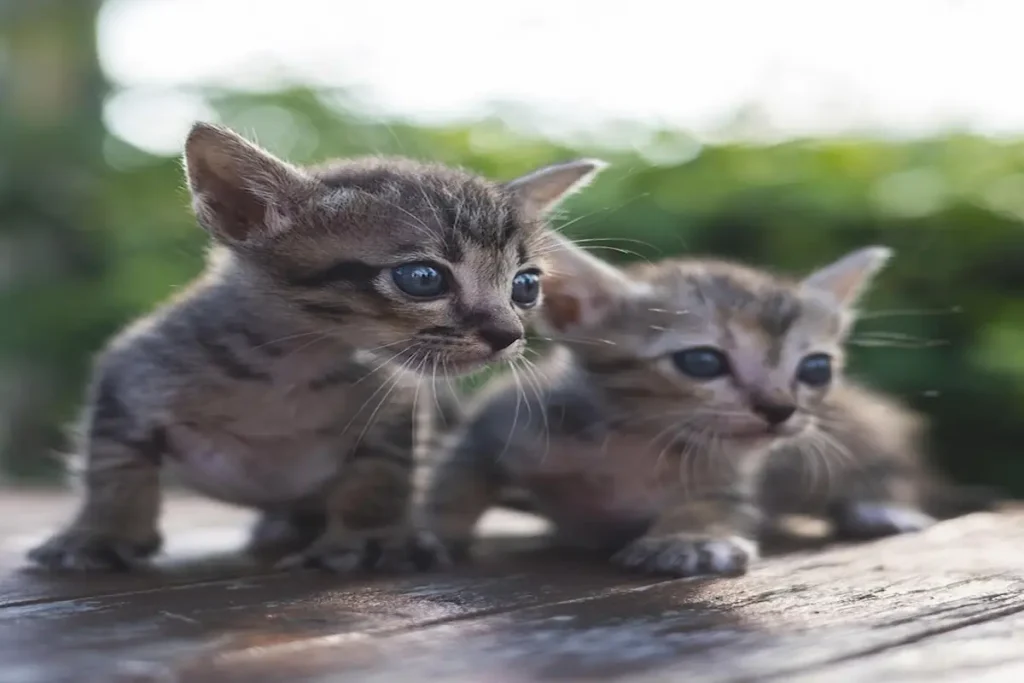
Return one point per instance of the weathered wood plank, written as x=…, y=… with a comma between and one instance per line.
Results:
x=945, y=605
x=845, y=614
x=202, y=540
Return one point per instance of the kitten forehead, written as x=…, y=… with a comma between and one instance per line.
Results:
x=765, y=300
x=446, y=207
x=710, y=302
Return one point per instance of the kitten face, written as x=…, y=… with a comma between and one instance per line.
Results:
x=422, y=264
x=705, y=349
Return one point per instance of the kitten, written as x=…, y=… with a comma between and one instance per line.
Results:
x=284, y=378
x=652, y=420
x=864, y=470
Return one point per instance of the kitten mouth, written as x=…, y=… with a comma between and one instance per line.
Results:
x=447, y=363
x=770, y=433
x=785, y=430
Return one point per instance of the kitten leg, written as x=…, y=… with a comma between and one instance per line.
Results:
x=707, y=535
x=368, y=523
x=284, y=532
x=879, y=499
x=459, y=491
x=116, y=526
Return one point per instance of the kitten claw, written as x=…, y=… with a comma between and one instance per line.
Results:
x=687, y=556
x=89, y=551
x=418, y=551
x=876, y=520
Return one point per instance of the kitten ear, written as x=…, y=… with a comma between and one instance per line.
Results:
x=240, y=193
x=540, y=191
x=847, y=279
x=579, y=289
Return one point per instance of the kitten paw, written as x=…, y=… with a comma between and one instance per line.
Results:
x=81, y=550
x=276, y=535
x=419, y=551
x=875, y=520
x=685, y=555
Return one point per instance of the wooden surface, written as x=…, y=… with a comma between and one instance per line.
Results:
x=945, y=605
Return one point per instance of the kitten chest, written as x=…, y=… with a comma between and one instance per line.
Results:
x=272, y=444
x=599, y=490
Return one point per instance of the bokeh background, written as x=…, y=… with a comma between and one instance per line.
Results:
x=783, y=133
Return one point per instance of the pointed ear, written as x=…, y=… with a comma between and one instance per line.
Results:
x=240, y=193
x=847, y=279
x=540, y=191
x=579, y=289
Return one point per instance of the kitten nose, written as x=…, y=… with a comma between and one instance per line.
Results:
x=500, y=337
x=774, y=413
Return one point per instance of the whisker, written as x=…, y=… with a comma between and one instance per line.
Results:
x=384, y=346
x=579, y=340
x=897, y=344
x=896, y=313
x=515, y=415
x=289, y=337
x=382, y=364
x=536, y=384
x=394, y=381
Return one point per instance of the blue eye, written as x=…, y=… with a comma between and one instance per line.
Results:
x=701, y=362
x=815, y=370
x=526, y=288
x=421, y=280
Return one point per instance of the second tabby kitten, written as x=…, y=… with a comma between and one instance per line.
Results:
x=648, y=433
x=284, y=378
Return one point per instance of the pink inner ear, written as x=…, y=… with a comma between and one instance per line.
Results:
x=559, y=308
x=233, y=210
x=846, y=285
x=561, y=312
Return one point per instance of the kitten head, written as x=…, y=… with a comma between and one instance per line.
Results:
x=707, y=348
x=425, y=264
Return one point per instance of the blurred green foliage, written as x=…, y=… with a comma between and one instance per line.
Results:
x=944, y=328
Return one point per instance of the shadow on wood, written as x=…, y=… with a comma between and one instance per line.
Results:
x=946, y=604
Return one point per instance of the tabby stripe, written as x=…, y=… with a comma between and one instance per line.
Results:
x=225, y=358
x=111, y=421
x=358, y=273
x=332, y=310
x=451, y=248
x=254, y=339
x=345, y=375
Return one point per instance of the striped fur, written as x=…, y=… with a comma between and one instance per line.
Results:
x=617, y=445
x=285, y=378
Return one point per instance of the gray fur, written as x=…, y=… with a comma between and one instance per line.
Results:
x=622, y=450
x=285, y=378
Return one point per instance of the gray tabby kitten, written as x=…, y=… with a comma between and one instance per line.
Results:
x=648, y=434
x=284, y=378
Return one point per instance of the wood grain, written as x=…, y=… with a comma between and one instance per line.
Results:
x=944, y=605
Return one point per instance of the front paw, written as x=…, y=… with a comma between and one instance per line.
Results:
x=87, y=550
x=684, y=555
x=277, y=535
x=408, y=551
x=876, y=520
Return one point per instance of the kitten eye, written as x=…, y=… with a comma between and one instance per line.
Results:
x=702, y=362
x=815, y=370
x=526, y=288
x=421, y=280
